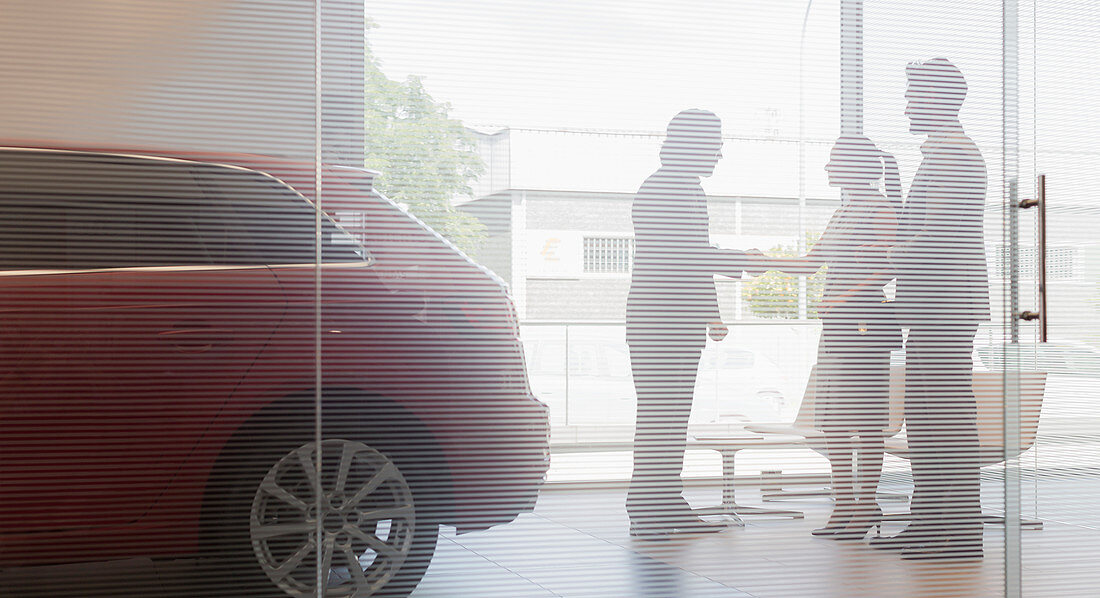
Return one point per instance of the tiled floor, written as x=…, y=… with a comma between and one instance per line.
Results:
x=576, y=545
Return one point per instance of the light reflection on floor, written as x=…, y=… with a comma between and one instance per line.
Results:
x=576, y=545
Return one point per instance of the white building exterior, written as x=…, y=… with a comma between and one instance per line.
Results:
x=557, y=205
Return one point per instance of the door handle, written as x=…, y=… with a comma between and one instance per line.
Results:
x=1040, y=202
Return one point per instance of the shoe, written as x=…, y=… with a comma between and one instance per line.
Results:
x=867, y=515
x=910, y=536
x=838, y=521
x=697, y=525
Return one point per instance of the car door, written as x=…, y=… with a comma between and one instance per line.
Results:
x=127, y=326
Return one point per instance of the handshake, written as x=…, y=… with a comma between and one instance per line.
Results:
x=754, y=262
x=733, y=263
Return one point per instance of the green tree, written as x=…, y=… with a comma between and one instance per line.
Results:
x=426, y=159
x=775, y=294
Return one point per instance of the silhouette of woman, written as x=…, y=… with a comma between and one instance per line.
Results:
x=859, y=329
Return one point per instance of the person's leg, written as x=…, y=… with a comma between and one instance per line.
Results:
x=838, y=450
x=664, y=377
x=866, y=411
x=869, y=449
x=921, y=422
x=960, y=472
x=832, y=415
x=922, y=431
x=874, y=418
x=943, y=440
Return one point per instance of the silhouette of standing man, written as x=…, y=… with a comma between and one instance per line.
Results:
x=942, y=296
x=671, y=306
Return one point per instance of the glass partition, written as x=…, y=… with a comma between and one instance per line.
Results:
x=515, y=298
x=1057, y=258
x=160, y=285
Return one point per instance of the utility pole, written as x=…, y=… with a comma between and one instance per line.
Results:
x=851, y=67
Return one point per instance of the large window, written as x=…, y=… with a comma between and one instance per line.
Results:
x=519, y=298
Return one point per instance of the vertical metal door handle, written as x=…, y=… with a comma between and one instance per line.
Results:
x=1041, y=203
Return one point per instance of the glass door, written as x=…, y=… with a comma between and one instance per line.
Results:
x=938, y=92
x=1057, y=270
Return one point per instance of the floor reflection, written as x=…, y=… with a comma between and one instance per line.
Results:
x=576, y=545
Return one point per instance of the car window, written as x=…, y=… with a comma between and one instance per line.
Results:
x=268, y=222
x=737, y=359
x=617, y=361
x=75, y=211
x=63, y=210
x=393, y=234
x=545, y=357
x=583, y=360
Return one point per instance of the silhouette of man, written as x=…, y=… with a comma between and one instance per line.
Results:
x=671, y=306
x=942, y=296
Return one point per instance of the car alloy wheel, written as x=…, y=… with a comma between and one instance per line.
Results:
x=365, y=515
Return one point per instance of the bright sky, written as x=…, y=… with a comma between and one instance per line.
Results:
x=611, y=65
x=632, y=64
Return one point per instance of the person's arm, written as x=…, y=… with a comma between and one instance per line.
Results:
x=912, y=222
x=805, y=265
x=810, y=263
x=699, y=250
x=874, y=254
x=734, y=262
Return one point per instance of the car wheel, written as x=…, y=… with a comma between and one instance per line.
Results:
x=373, y=540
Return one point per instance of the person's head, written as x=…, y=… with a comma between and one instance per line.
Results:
x=693, y=142
x=934, y=94
x=855, y=163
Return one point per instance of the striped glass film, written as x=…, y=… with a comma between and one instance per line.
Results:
x=345, y=299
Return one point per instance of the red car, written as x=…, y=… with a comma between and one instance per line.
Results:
x=194, y=359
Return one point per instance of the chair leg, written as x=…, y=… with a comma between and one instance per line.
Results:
x=771, y=489
x=729, y=507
